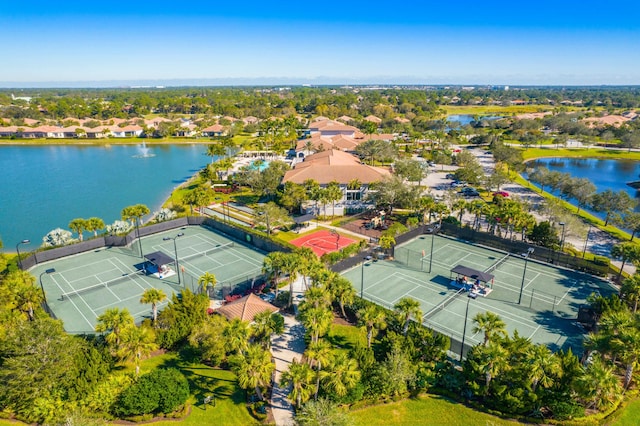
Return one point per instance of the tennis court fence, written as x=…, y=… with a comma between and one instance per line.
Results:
x=411, y=258
x=101, y=285
x=222, y=289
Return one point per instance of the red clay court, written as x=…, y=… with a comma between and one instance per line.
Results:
x=323, y=241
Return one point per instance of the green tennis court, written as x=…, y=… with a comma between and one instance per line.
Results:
x=83, y=286
x=541, y=303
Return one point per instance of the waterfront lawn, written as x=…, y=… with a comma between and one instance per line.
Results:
x=495, y=109
x=431, y=409
x=533, y=153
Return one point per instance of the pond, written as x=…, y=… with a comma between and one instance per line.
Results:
x=46, y=186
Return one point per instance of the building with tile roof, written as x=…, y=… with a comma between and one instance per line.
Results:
x=246, y=308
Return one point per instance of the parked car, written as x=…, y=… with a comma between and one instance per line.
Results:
x=501, y=193
x=469, y=192
x=458, y=184
x=450, y=176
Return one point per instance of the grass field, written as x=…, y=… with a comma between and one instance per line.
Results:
x=431, y=409
x=533, y=153
x=496, y=109
x=230, y=406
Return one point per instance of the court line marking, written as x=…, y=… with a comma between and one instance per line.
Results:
x=73, y=303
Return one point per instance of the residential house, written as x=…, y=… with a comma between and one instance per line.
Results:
x=214, y=131
x=130, y=131
x=373, y=119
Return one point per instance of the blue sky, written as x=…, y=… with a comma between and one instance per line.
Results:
x=491, y=42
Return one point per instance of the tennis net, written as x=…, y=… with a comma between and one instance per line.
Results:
x=497, y=264
x=440, y=307
x=94, y=287
x=208, y=252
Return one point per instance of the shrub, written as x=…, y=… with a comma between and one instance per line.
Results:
x=161, y=391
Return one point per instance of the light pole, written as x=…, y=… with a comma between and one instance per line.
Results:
x=586, y=241
x=433, y=231
x=44, y=296
x=562, y=238
x=464, y=329
x=139, y=239
x=175, y=250
x=364, y=261
x=526, y=259
x=18, y=251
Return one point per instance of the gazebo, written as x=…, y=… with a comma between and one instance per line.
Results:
x=157, y=263
x=246, y=308
x=477, y=282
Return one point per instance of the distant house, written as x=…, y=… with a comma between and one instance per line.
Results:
x=373, y=119
x=338, y=166
x=214, y=131
x=130, y=131
x=331, y=128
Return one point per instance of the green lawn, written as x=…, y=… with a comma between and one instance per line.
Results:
x=431, y=409
x=346, y=336
x=204, y=381
x=629, y=416
x=532, y=153
x=495, y=109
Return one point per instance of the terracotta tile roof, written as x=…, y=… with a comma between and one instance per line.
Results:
x=246, y=308
x=344, y=118
x=373, y=119
x=334, y=165
x=330, y=126
x=402, y=120
x=217, y=128
x=608, y=120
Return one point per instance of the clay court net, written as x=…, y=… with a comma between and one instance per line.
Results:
x=497, y=264
x=208, y=252
x=106, y=284
x=440, y=307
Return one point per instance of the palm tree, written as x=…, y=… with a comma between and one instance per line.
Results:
x=114, y=321
x=627, y=252
x=342, y=291
x=493, y=360
x=27, y=297
x=333, y=194
x=137, y=343
x=153, y=296
x=300, y=378
x=266, y=324
x=78, y=225
x=630, y=291
x=598, y=384
x=408, y=309
x=490, y=324
x=236, y=334
x=253, y=369
x=94, y=224
x=629, y=343
x=319, y=353
x=205, y=281
x=543, y=366
x=307, y=262
x=317, y=321
x=316, y=297
x=372, y=318
x=291, y=265
x=342, y=374
x=272, y=266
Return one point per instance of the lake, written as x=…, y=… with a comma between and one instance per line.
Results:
x=605, y=174
x=464, y=119
x=46, y=186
